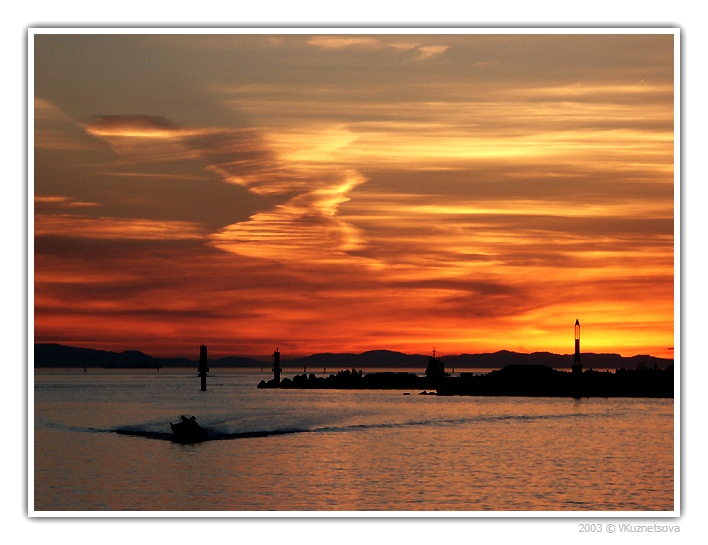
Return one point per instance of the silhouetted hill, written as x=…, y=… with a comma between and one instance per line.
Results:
x=557, y=361
x=367, y=360
x=233, y=361
x=496, y=360
x=56, y=355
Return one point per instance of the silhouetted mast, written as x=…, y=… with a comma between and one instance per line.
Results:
x=203, y=365
x=577, y=368
x=436, y=368
x=276, y=366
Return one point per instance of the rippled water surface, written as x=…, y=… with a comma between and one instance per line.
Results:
x=101, y=442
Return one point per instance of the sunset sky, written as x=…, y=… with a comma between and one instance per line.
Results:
x=350, y=192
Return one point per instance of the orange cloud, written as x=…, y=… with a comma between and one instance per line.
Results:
x=54, y=201
x=74, y=226
x=338, y=42
x=341, y=42
x=305, y=229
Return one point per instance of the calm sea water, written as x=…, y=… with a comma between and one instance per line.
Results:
x=101, y=442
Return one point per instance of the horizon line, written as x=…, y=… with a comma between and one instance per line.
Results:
x=260, y=357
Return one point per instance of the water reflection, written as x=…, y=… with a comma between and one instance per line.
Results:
x=370, y=450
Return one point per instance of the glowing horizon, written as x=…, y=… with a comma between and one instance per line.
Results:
x=340, y=193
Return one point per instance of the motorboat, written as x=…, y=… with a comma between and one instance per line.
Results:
x=187, y=430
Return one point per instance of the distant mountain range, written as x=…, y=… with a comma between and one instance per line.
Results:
x=57, y=355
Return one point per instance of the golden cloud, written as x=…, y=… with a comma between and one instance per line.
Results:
x=305, y=229
x=338, y=42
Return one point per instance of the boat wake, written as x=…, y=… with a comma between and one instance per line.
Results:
x=213, y=434
x=450, y=421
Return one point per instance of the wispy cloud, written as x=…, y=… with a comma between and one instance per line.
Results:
x=426, y=52
x=372, y=43
x=43, y=202
x=76, y=226
x=303, y=230
x=45, y=110
x=341, y=42
x=144, y=138
x=238, y=156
